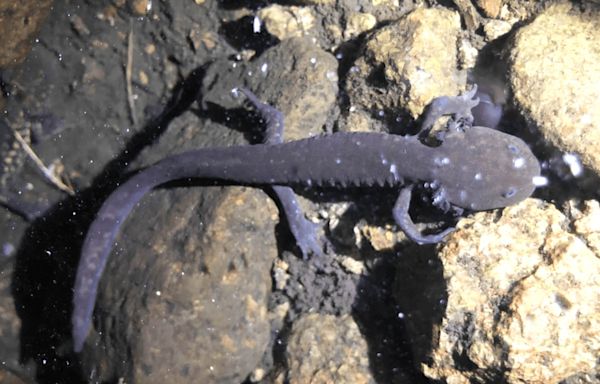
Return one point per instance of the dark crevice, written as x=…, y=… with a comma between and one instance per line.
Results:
x=240, y=35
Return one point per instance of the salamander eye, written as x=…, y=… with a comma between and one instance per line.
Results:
x=510, y=192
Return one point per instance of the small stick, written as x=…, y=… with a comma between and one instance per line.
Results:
x=45, y=170
x=128, y=70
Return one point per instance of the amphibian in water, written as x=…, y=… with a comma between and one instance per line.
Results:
x=474, y=168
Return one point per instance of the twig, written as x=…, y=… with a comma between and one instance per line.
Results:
x=128, y=70
x=45, y=170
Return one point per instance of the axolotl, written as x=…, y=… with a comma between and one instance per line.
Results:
x=473, y=168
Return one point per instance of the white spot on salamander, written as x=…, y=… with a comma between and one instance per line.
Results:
x=394, y=172
x=478, y=176
x=518, y=162
x=338, y=161
x=441, y=161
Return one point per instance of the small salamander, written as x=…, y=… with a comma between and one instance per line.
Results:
x=474, y=168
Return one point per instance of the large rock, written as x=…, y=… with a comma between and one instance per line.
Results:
x=555, y=75
x=522, y=299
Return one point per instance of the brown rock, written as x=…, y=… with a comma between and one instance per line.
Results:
x=417, y=58
x=491, y=8
x=327, y=349
x=555, y=75
x=469, y=14
x=359, y=22
x=6, y=377
x=310, y=90
x=522, y=304
x=587, y=224
x=198, y=315
x=140, y=7
x=184, y=299
x=286, y=22
x=20, y=21
x=493, y=29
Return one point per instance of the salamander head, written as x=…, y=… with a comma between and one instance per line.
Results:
x=483, y=168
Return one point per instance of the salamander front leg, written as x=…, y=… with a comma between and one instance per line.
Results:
x=304, y=231
x=459, y=106
x=272, y=116
x=404, y=221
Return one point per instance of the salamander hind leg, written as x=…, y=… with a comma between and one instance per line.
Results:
x=458, y=106
x=404, y=221
x=304, y=231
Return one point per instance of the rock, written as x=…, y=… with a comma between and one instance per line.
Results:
x=359, y=22
x=310, y=90
x=20, y=22
x=7, y=377
x=287, y=22
x=494, y=29
x=491, y=8
x=522, y=300
x=327, y=349
x=200, y=313
x=560, y=98
x=587, y=224
x=13, y=370
x=381, y=239
x=413, y=60
x=184, y=298
x=140, y=7
x=310, y=93
x=420, y=51
x=317, y=2
x=353, y=266
x=469, y=14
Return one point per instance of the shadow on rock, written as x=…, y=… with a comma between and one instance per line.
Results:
x=47, y=258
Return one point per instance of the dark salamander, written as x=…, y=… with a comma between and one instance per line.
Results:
x=474, y=168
